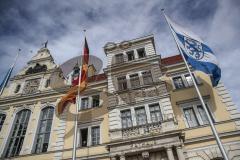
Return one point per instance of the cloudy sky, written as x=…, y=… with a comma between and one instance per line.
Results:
x=27, y=24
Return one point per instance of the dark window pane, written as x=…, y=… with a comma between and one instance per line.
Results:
x=130, y=55
x=178, y=82
x=141, y=53
x=84, y=137
x=96, y=100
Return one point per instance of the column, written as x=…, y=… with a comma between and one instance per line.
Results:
x=170, y=153
x=180, y=153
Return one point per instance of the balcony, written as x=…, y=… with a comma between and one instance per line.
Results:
x=168, y=123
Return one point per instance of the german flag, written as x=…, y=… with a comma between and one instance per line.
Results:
x=70, y=97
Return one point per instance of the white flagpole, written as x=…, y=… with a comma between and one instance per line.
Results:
x=12, y=66
x=76, y=112
x=220, y=145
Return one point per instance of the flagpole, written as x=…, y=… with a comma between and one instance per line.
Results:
x=78, y=107
x=220, y=145
x=12, y=66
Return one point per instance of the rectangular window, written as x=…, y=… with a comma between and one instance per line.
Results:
x=119, y=58
x=122, y=83
x=147, y=77
x=196, y=115
x=202, y=114
x=134, y=79
x=141, y=53
x=95, y=100
x=190, y=116
x=141, y=117
x=155, y=113
x=178, y=82
x=130, y=55
x=95, y=135
x=83, y=137
x=188, y=80
x=84, y=103
x=126, y=118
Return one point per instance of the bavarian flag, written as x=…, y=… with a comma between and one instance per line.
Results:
x=196, y=52
x=70, y=97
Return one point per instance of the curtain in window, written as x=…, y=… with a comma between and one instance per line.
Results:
x=190, y=117
x=126, y=119
x=202, y=114
x=141, y=116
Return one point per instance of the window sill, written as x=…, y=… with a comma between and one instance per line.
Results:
x=97, y=145
x=137, y=88
x=87, y=109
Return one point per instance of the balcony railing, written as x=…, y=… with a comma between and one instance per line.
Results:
x=168, y=123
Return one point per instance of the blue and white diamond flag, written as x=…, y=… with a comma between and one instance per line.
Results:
x=196, y=52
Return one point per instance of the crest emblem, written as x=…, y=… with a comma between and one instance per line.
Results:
x=193, y=48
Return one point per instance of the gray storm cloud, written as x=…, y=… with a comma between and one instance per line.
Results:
x=27, y=24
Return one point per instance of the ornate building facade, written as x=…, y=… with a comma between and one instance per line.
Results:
x=143, y=107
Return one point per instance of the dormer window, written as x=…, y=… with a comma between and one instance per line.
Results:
x=119, y=58
x=141, y=53
x=17, y=89
x=130, y=55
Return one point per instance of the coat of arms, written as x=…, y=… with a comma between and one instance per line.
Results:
x=193, y=48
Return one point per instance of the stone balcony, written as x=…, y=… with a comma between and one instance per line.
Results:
x=168, y=123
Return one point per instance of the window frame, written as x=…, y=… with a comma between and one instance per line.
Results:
x=146, y=119
x=125, y=81
x=89, y=127
x=145, y=54
x=131, y=118
x=184, y=80
x=130, y=52
x=2, y=120
x=88, y=102
x=116, y=59
x=38, y=128
x=160, y=110
x=10, y=135
x=144, y=75
x=133, y=79
x=194, y=105
x=92, y=106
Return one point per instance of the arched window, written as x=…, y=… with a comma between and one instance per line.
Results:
x=2, y=119
x=18, y=133
x=44, y=129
